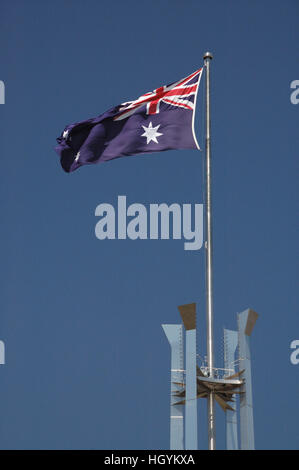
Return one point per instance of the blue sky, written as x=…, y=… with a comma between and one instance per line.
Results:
x=87, y=362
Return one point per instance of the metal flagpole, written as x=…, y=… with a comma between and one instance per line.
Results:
x=208, y=245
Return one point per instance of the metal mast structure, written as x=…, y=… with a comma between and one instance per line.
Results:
x=192, y=382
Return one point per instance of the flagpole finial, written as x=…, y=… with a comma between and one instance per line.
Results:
x=208, y=55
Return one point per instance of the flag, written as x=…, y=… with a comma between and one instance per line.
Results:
x=159, y=120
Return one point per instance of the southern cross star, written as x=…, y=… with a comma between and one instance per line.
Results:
x=151, y=133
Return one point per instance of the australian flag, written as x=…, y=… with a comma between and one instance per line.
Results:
x=159, y=120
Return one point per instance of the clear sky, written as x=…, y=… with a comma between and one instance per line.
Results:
x=87, y=362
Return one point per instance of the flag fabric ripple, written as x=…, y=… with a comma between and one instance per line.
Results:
x=156, y=121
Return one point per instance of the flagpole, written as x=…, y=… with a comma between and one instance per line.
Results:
x=209, y=277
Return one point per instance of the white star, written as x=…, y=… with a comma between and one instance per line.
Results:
x=65, y=134
x=151, y=133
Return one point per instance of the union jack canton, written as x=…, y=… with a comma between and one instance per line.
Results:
x=159, y=120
